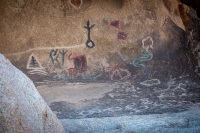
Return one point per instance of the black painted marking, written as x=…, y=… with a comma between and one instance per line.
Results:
x=89, y=43
x=54, y=56
x=33, y=61
x=63, y=52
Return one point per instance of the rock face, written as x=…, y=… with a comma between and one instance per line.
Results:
x=91, y=40
x=22, y=109
x=193, y=33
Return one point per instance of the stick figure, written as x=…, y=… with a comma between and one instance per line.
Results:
x=88, y=27
x=54, y=56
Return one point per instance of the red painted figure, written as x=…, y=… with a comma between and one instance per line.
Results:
x=80, y=63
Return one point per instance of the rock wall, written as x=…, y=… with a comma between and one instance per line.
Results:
x=91, y=40
x=192, y=23
x=22, y=109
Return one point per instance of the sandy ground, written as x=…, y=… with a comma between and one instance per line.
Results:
x=75, y=93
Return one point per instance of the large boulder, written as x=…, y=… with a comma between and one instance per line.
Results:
x=22, y=109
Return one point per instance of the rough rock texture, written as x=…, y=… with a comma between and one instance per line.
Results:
x=22, y=109
x=123, y=39
x=184, y=122
x=150, y=46
x=96, y=100
x=193, y=34
x=194, y=4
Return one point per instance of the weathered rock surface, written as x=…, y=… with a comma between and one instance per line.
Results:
x=51, y=40
x=22, y=109
x=96, y=100
x=184, y=122
x=152, y=45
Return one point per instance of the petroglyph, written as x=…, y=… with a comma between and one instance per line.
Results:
x=80, y=63
x=120, y=35
x=89, y=43
x=34, y=66
x=54, y=55
x=146, y=53
x=117, y=73
x=38, y=71
x=151, y=82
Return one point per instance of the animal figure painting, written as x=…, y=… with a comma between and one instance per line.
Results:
x=146, y=53
x=54, y=56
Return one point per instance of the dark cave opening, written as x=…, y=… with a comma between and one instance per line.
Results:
x=195, y=4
